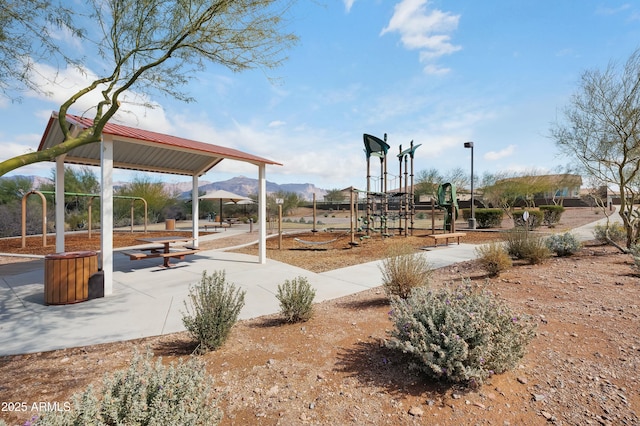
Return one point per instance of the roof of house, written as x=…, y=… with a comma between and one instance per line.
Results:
x=564, y=179
x=144, y=150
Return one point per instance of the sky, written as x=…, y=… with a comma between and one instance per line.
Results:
x=438, y=73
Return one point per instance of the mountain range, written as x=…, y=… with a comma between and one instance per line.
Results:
x=245, y=186
x=240, y=185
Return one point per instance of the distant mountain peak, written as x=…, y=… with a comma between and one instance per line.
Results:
x=245, y=186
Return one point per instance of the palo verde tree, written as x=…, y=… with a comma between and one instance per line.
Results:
x=161, y=203
x=601, y=130
x=146, y=46
x=29, y=32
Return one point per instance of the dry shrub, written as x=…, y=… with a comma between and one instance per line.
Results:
x=403, y=270
x=493, y=258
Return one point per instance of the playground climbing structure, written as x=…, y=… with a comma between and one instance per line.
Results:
x=384, y=207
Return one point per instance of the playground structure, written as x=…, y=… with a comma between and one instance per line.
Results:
x=388, y=211
x=449, y=202
x=383, y=206
x=76, y=194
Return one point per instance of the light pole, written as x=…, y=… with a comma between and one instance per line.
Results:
x=472, y=219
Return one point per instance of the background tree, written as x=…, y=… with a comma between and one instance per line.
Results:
x=601, y=130
x=458, y=177
x=502, y=190
x=13, y=189
x=290, y=202
x=427, y=182
x=11, y=192
x=77, y=180
x=335, y=197
x=152, y=46
x=29, y=32
x=159, y=201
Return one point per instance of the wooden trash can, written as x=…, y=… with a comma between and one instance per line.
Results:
x=170, y=225
x=66, y=276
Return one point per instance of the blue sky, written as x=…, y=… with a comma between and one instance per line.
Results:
x=439, y=73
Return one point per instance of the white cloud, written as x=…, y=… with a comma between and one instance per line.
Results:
x=276, y=123
x=23, y=144
x=422, y=29
x=498, y=155
x=607, y=11
x=348, y=4
x=433, y=69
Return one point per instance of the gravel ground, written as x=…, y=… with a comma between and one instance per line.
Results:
x=582, y=368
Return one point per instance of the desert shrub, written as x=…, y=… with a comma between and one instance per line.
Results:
x=146, y=393
x=296, y=299
x=489, y=218
x=551, y=214
x=522, y=244
x=485, y=218
x=493, y=258
x=403, y=270
x=615, y=230
x=459, y=333
x=537, y=250
x=635, y=253
x=563, y=244
x=214, y=309
x=516, y=242
x=535, y=219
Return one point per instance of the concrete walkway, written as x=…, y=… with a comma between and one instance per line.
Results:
x=148, y=300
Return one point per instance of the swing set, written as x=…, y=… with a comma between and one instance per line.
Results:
x=72, y=194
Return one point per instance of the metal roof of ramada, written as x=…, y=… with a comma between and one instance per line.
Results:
x=144, y=150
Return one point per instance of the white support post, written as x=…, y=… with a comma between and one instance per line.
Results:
x=262, y=214
x=59, y=206
x=106, y=212
x=195, y=210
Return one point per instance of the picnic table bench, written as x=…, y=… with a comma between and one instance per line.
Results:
x=165, y=251
x=446, y=237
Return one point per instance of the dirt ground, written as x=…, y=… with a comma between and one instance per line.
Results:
x=582, y=368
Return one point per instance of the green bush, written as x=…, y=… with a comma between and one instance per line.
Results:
x=616, y=231
x=458, y=333
x=296, y=299
x=563, y=244
x=534, y=221
x=403, y=270
x=485, y=218
x=493, y=258
x=214, y=309
x=522, y=244
x=146, y=393
x=551, y=214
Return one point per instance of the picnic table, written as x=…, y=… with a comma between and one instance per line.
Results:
x=161, y=249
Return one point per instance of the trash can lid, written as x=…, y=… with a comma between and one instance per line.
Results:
x=71, y=255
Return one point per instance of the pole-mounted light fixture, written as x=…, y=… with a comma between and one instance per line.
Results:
x=472, y=219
